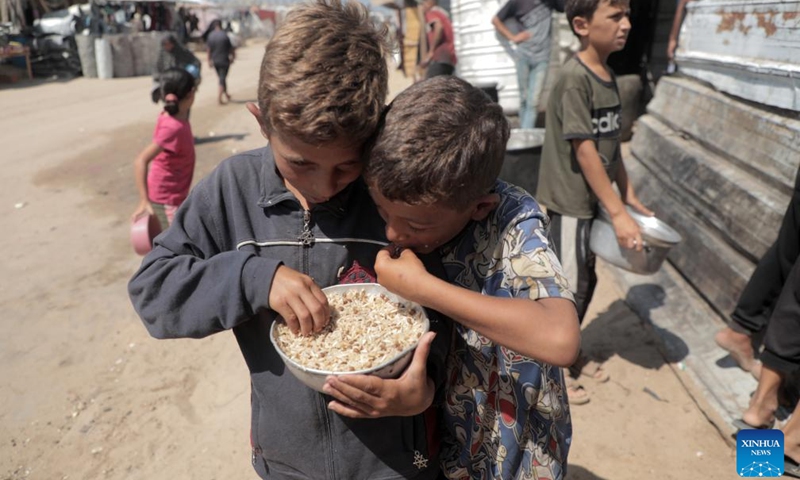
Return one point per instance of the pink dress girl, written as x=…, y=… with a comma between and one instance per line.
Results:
x=163, y=170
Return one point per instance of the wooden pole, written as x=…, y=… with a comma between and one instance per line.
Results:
x=4, y=11
x=423, y=40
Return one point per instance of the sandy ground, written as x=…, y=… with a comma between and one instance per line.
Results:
x=85, y=393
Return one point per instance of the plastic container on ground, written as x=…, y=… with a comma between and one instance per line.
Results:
x=86, y=53
x=104, y=57
x=122, y=55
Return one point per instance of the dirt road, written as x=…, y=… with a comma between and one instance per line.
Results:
x=85, y=393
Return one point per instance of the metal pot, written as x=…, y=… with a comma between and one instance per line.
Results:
x=658, y=238
x=522, y=158
x=490, y=89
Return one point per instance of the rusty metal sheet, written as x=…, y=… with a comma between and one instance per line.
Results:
x=748, y=48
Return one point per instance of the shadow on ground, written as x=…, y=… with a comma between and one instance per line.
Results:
x=629, y=332
x=576, y=472
x=242, y=102
x=219, y=138
x=35, y=82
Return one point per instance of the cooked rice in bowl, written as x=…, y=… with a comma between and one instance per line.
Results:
x=365, y=331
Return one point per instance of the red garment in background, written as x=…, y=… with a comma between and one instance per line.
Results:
x=445, y=51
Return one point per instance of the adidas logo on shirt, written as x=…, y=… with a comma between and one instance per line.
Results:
x=606, y=122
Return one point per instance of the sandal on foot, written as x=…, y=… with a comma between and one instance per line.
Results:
x=790, y=467
x=589, y=368
x=740, y=424
x=576, y=394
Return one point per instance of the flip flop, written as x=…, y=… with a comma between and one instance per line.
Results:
x=589, y=368
x=740, y=424
x=790, y=467
x=576, y=394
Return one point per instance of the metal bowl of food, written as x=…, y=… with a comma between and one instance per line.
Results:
x=372, y=331
x=657, y=238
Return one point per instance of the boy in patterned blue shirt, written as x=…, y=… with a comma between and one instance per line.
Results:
x=433, y=175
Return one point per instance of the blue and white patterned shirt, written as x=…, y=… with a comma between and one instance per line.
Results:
x=506, y=416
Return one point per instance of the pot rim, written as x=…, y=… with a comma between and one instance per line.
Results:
x=655, y=231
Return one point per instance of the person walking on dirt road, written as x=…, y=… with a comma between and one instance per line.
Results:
x=221, y=54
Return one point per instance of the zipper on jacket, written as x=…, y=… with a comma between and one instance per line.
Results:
x=306, y=236
x=306, y=239
x=330, y=451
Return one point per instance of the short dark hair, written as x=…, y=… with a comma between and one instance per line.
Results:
x=440, y=141
x=586, y=9
x=169, y=39
x=175, y=81
x=324, y=76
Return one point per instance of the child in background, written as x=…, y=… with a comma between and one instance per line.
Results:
x=170, y=156
x=261, y=234
x=433, y=175
x=173, y=54
x=581, y=158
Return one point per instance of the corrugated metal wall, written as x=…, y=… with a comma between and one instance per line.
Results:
x=482, y=58
x=748, y=48
x=717, y=167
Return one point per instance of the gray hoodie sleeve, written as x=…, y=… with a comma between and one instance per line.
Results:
x=192, y=284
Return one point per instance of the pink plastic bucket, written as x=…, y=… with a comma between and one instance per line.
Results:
x=143, y=231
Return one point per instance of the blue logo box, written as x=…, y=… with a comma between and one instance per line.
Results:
x=759, y=453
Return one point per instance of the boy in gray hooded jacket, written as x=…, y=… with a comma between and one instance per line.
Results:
x=268, y=228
